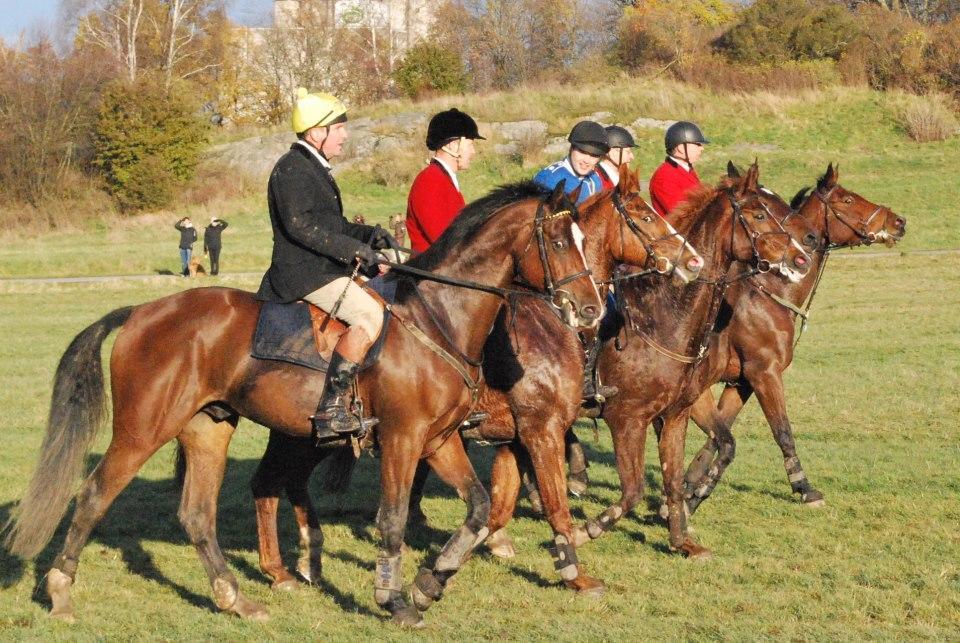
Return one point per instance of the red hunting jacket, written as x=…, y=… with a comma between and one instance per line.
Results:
x=670, y=185
x=432, y=205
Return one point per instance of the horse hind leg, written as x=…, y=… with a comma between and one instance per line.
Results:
x=670, y=447
x=205, y=443
x=450, y=462
x=113, y=473
x=504, y=489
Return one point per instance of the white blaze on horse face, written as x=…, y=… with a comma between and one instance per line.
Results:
x=578, y=239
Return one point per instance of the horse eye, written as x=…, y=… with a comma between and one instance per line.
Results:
x=647, y=219
x=760, y=216
x=559, y=244
x=848, y=199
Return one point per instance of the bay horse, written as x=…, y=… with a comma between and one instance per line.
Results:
x=667, y=331
x=167, y=368
x=533, y=372
x=755, y=348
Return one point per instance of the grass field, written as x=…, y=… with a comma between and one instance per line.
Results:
x=874, y=397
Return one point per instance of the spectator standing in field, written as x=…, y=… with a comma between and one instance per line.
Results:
x=621, y=153
x=588, y=144
x=188, y=235
x=435, y=198
x=212, y=243
x=676, y=177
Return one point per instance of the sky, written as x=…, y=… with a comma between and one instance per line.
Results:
x=25, y=16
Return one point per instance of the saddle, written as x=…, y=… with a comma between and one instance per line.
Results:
x=302, y=334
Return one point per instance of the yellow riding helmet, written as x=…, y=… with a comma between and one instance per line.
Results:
x=316, y=110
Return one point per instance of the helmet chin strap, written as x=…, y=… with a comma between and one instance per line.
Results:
x=456, y=155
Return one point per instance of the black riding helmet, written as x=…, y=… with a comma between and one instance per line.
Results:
x=589, y=137
x=683, y=132
x=619, y=137
x=449, y=126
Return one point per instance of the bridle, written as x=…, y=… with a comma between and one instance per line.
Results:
x=661, y=264
x=761, y=265
x=863, y=233
x=556, y=295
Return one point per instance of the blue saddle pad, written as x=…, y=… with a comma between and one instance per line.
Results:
x=285, y=334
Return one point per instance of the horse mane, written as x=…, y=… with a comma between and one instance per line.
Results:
x=696, y=200
x=467, y=224
x=798, y=198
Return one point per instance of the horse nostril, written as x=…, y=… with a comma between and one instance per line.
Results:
x=591, y=312
x=695, y=263
x=810, y=240
x=901, y=222
x=800, y=261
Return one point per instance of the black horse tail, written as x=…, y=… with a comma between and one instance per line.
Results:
x=339, y=470
x=76, y=413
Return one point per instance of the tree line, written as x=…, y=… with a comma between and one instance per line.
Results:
x=127, y=106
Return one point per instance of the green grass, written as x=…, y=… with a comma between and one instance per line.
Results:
x=859, y=129
x=874, y=398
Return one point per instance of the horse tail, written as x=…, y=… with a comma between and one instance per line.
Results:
x=339, y=470
x=76, y=412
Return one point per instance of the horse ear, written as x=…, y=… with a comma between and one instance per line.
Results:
x=750, y=181
x=829, y=178
x=556, y=194
x=574, y=196
x=733, y=171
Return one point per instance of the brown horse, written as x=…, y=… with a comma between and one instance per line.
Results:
x=533, y=392
x=755, y=348
x=667, y=331
x=167, y=369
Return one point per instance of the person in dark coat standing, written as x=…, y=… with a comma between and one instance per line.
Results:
x=676, y=178
x=212, y=243
x=435, y=199
x=315, y=249
x=188, y=235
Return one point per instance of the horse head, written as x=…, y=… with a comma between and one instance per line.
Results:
x=758, y=235
x=644, y=238
x=552, y=260
x=846, y=218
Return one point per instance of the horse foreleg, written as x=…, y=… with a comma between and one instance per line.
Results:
x=769, y=388
x=704, y=415
x=205, y=444
x=702, y=477
x=670, y=446
x=504, y=490
x=546, y=446
x=398, y=464
x=629, y=437
x=267, y=483
x=450, y=462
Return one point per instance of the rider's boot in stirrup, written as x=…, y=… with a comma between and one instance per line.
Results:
x=333, y=419
x=592, y=393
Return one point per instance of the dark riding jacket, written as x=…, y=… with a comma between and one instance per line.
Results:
x=313, y=243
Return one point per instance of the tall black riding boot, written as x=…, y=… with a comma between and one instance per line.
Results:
x=332, y=419
x=592, y=393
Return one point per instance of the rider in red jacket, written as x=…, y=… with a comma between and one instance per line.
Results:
x=435, y=198
x=675, y=178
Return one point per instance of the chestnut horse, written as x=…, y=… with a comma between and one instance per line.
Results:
x=668, y=330
x=533, y=393
x=756, y=347
x=168, y=367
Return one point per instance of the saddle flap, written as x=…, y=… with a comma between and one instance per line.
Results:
x=326, y=331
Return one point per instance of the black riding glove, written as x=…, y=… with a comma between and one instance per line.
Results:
x=383, y=240
x=366, y=255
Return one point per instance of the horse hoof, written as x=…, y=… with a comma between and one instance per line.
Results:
x=693, y=551
x=664, y=512
x=576, y=487
x=408, y=616
x=580, y=536
x=58, y=588
x=816, y=504
x=309, y=571
x=501, y=545
x=249, y=610
x=588, y=587
x=813, y=499
x=289, y=585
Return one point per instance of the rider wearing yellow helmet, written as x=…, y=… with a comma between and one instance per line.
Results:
x=315, y=249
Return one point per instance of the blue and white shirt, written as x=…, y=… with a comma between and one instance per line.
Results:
x=549, y=176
